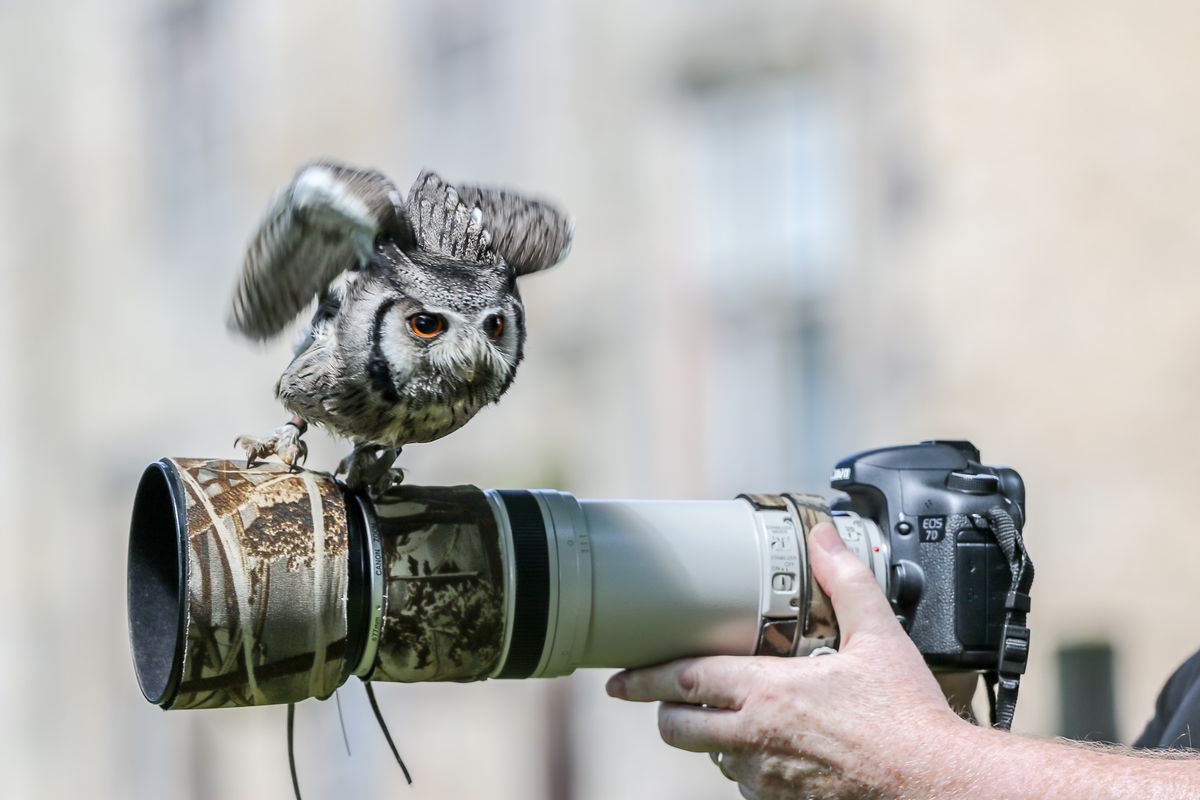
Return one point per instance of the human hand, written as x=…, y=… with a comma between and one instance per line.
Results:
x=853, y=724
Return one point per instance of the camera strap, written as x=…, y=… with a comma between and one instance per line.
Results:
x=1004, y=682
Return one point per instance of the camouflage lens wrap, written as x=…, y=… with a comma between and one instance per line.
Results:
x=444, y=608
x=267, y=585
x=815, y=624
x=818, y=626
x=776, y=637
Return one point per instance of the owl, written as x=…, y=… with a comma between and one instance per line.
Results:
x=418, y=322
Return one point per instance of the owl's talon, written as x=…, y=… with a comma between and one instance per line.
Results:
x=390, y=478
x=369, y=468
x=284, y=442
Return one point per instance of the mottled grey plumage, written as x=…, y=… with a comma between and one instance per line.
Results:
x=385, y=274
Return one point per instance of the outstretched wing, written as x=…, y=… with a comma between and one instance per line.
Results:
x=324, y=222
x=530, y=235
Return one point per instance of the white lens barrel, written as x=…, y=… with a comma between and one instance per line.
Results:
x=638, y=582
x=866, y=541
x=671, y=578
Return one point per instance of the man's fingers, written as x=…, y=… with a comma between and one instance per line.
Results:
x=700, y=730
x=719, y=681
x=851, y=586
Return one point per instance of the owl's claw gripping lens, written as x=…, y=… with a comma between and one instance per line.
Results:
x=369, y=468
x=284, y=442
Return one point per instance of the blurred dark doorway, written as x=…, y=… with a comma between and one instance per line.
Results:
x=1085, y=677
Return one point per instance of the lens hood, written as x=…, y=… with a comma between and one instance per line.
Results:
x=238, y=584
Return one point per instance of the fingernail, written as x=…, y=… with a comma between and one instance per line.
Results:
x=826, y=537
x=616, y=686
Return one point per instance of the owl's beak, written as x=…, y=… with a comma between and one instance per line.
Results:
x=471, y=370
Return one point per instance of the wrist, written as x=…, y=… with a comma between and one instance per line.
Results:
x=944, y=757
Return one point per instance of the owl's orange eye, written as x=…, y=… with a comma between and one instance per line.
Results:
x=426, y=325
x=494, y=325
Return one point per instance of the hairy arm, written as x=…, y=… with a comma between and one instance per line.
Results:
x=988, y=763
x=871, y=722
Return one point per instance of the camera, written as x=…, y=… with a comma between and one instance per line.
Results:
x=250, y=586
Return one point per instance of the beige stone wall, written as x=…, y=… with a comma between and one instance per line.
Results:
x=1060, y=141
x=803, y=229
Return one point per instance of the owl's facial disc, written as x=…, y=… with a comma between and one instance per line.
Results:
x=498, y=344
x=466, y=349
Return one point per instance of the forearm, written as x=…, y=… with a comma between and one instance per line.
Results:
x=977, y=762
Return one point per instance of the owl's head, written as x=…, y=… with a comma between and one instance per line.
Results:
x=449, y=327
x=456, y=326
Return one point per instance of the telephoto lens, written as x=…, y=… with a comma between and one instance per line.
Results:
x=256, y=586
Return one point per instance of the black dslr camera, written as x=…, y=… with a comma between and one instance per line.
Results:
x=959, y=574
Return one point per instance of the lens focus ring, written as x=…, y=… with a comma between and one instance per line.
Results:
x=532, y=608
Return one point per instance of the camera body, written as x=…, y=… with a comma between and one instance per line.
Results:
x=949, y=580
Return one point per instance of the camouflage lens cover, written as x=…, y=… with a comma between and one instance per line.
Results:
x=444, y=607
x=266, y=585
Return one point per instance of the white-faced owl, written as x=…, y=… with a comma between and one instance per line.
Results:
x=418, y=321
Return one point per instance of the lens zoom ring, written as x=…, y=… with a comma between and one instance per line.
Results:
x=532, y=606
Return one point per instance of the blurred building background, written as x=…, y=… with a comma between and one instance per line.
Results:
x=804, y=228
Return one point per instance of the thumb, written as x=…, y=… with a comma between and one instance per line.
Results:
x=857, y=600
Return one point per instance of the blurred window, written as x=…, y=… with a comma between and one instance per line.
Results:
x=775, y=224
x=773, y=182
x=179, y=107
